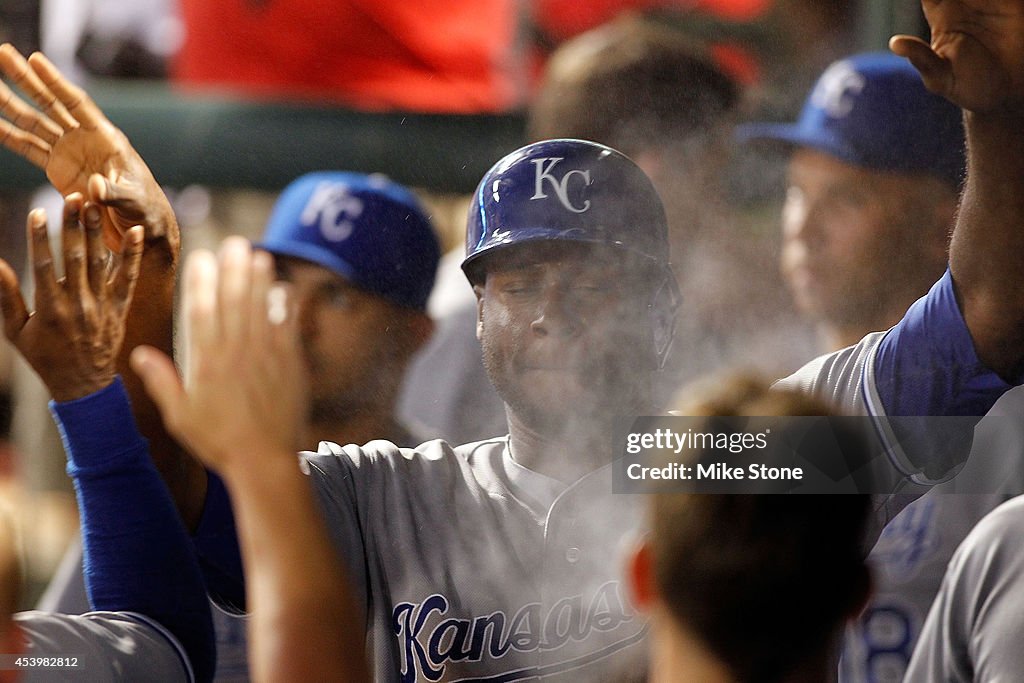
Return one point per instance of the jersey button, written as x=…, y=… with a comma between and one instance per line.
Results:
x=572, y=555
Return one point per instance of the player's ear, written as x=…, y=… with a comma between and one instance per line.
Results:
x=643, y=590
x=478, y=290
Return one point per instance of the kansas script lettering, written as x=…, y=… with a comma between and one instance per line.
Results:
x=427, y=651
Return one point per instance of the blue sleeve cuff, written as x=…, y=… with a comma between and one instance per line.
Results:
x=97, y=429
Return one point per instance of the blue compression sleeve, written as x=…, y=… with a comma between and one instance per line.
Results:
x=926, y=364
x=216, y=543
x=138, y=557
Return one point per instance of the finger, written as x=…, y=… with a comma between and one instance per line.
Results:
x=199, y=306
x=26, y=118
x=72, y=99
x=73, y=240
x=127, y=273
x=936, y=72
x=162, y=383
x=288, y=361
x=12, y=304
x=47, y=290
x=22, y=75
x=234, y=291
x=259, y=310
x=24, y=144
x=96, y=251
x=113, y=230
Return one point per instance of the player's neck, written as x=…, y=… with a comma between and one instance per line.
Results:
x=566, y=456
x=679, y=657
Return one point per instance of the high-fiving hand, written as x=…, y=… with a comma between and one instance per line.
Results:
x=75, y=334
x=243, y=394
x=81, y=150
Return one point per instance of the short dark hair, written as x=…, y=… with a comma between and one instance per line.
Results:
x=765, y=581
x=630, y=84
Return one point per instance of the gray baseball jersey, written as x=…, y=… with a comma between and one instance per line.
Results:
x=910, y=559
x=101, y=646
x=973, y=631
x=908, y=562
x=475, y=568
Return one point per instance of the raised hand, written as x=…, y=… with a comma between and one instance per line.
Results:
x=240, y=411
x=976, y=55
x=73, y=338
x=243, y=394
x=82, y=151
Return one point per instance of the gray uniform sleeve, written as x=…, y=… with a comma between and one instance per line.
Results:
x=973, y=630
x=105, y=646
x=333, y=470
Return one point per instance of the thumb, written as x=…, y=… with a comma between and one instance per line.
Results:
x=162, y=383
x=99, y=189
x=122, y=195
x=12, y=305
x=935, y=71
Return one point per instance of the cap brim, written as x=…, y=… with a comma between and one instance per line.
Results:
x=523, y=236
x=790, y=135
x=313, y=254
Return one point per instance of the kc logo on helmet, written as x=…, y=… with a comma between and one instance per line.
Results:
x=543, y=171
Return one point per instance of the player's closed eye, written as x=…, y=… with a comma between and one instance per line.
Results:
x=521, y=287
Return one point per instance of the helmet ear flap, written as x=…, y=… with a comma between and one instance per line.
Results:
x=664, y=309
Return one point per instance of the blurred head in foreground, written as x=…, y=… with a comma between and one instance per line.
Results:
x=750, y=587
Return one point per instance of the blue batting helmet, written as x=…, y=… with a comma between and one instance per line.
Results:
x=565, y=190
x=575, y=191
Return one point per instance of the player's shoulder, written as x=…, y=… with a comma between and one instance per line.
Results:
x=1003, y=526
x=105, y=645
x=433, y=458
x=838, y=377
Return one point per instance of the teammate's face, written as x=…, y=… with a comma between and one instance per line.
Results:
x=565, y=332
x=345, y=338
x=854, y=238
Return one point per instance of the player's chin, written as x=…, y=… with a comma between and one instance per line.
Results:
x=557, y=383
x=580, y=392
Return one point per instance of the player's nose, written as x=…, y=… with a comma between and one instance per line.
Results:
x=555, y=314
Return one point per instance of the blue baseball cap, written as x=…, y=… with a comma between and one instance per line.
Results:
x=366, y=228
x=872, y=110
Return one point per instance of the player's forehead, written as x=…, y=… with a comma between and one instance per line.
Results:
x=295, y=270
x=569, y=259
x=808, y=165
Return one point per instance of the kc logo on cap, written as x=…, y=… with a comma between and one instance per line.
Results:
x=837, y=89
x=335, y=208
